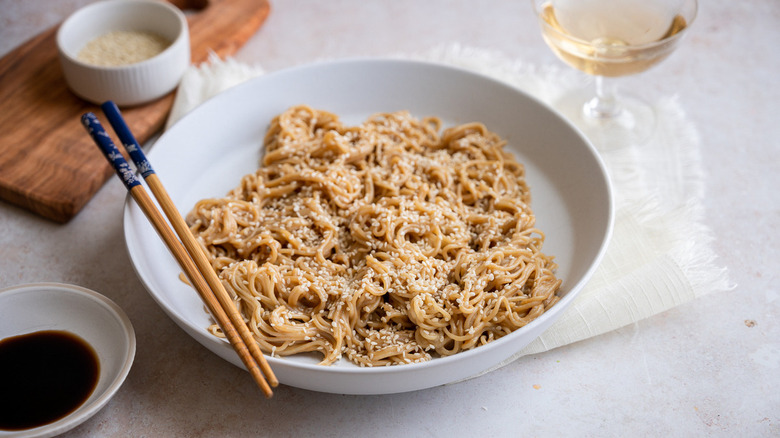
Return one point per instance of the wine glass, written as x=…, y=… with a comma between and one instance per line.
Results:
x=608, y=39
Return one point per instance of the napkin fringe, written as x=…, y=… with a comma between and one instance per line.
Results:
x=680, y=233
x=675, y=211
x=203, y=81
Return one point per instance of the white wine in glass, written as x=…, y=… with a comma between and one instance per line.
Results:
x=612, y=38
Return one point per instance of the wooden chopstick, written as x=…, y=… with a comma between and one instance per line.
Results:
x=185, y=260
x=183, y=231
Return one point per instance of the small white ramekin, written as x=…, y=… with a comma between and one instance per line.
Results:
x=131, y=84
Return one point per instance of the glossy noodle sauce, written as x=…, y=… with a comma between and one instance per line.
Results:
x=44, y=376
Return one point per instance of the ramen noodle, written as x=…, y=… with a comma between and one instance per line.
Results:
x=389, y=242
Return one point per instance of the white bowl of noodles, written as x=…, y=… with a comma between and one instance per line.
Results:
x=222, y=140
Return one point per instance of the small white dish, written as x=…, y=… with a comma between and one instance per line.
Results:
x=131, y=84
x=92, y=317
x=222, y=141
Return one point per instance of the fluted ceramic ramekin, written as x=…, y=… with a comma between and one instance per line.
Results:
x=131, y=84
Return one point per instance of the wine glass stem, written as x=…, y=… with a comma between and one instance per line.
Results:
x=604, y=105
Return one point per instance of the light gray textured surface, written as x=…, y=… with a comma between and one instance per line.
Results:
x=698, y=369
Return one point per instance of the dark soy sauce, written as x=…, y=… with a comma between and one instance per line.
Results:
x=44, y=376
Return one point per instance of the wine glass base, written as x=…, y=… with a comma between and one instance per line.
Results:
x=632, y=124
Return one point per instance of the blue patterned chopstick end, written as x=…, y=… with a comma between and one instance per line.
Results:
x=104, y=143
x=127, y=138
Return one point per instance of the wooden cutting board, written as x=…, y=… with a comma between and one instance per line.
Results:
x=48, y=163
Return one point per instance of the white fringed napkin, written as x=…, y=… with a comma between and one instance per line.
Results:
x=659, y=256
